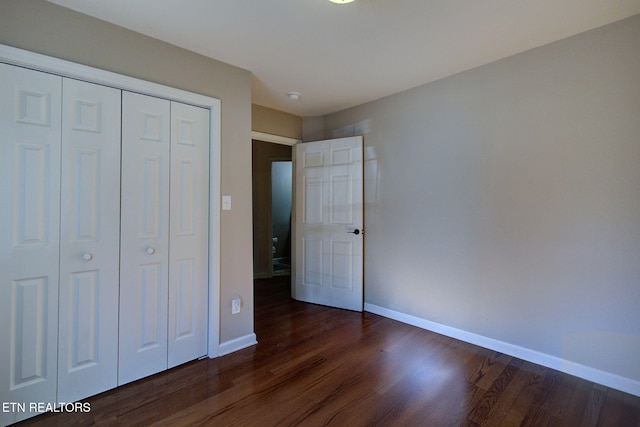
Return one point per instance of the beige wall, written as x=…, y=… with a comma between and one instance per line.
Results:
x=274, y=122
x=42, y=27
x=505, y=201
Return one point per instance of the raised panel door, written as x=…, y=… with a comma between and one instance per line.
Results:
x=30, y=117
x=89, y=244
x=144, y=253
x=188, y=253
x=328, y=222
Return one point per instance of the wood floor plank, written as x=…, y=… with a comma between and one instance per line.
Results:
x=315, y=365
x=481, y=412
x=558, y=400
x=486, y=368
x=531, y=380
x=614, y=411
x=508, y=396
x=576, y=403
x=593, y=411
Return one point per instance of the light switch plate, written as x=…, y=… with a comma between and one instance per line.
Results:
x=226, y=203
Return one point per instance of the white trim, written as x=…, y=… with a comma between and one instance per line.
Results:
x=36, y=61
x=591, y=374
x=65, y=68
x=236, y=344
x=276, y=139
x=214, y=232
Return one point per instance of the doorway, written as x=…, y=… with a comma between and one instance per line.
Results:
x=272, y=194
x=281, y=205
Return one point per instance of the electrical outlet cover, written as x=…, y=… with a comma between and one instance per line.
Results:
x=235, y=306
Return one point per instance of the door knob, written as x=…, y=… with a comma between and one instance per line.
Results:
x=356, y=232
x=150, y=250
x=87, y=256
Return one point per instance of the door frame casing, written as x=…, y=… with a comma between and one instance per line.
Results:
x=275, y=139
x=281, y=140
x=35, y=61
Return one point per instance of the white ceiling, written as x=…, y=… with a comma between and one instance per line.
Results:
x=339, y=56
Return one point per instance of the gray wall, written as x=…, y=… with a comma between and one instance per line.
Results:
x=42, y=27
x=505, y=201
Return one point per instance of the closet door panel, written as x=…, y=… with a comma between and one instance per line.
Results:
x=188, y=255
x=30, y=116
x=89, y=246
x=144, y=253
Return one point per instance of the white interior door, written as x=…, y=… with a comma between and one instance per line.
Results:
x=144, y=253
x=328, y=223
x=189, y=231
x=30, y=126
x=89, y=240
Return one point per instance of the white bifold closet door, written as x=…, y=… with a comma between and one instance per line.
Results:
x=188, y=234
x=30, y=126
x=144, y=245
x=164, y=235
x=89, y=240
x=60, y=154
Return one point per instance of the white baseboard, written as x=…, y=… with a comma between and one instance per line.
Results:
x=237, y=344
x=591, y=374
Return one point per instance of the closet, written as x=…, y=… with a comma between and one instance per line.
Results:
x=103, y=237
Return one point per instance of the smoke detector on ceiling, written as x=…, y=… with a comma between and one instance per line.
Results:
x=294, y=96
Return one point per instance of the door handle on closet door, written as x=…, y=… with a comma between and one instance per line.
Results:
x=150, y=250
x=356, y=232
x=87, y=256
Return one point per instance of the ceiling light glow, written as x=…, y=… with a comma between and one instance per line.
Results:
x=341, y=1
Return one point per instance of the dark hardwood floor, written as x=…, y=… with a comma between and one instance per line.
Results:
x=317, y=366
